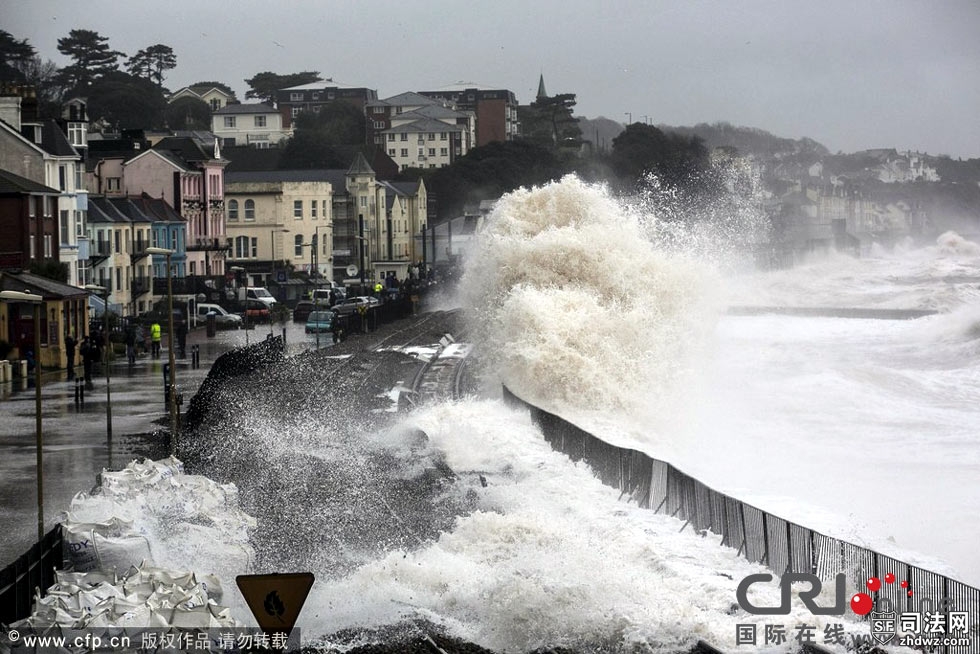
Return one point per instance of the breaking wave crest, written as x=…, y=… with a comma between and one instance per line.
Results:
x=571, y=302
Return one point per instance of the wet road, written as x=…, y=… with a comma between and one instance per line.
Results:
x=75, y=443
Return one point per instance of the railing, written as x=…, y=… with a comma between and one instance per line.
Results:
x=775, y=542
x=35, y=569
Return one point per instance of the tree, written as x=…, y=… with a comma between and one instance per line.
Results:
x=489, y=171
x=549, y=120
x=188, y=113
x=45, y=77
x=217, y=85
x=13, y=55
x=339, y=122
x=91, y=57
x=642, y=149
x=263, y=86
x=310, y=149
x=149, y=63
x=126, y=102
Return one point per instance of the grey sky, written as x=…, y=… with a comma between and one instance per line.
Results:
x=852, y=74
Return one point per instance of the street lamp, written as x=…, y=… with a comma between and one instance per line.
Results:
x=629, y=118
x=104, y=291
x=172, y=391
x=236, y=270
x=273, y=258
x=36, y=300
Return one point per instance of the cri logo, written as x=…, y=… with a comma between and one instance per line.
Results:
x=862, y=603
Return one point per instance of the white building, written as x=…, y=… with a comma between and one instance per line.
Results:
x=255, y=125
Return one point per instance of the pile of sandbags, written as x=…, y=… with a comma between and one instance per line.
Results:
x=145, y=597
x=125, y=540
x=152, y=511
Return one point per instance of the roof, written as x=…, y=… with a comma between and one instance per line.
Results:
x=130, y=210
x=255, y=108
x=440, y=111
x=322, y=84
x=11, y=184
x=465, y=86
x=336, y=177
x=157, y=209
x=30, y=283
x=424, y=125
x=100, y=211
x=409, y=98
x=54, y=141
x=360, y=166
x=406, y=188
x=183, y=147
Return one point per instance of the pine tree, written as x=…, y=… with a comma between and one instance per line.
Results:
x=91, y=57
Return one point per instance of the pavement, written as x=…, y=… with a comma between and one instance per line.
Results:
x=75, y=443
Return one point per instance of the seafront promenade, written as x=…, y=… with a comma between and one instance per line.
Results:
x=75, y=442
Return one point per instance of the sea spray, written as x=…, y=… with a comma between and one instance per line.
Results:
x=570, y=302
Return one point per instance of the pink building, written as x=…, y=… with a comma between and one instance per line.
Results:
x=191, y=179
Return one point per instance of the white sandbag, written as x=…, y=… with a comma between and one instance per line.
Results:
x=79, y=540
x=119, y=553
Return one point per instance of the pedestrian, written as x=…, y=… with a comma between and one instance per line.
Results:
x=181, y=328
x=89, y=354
x=70, y=354
x=131, y=345
x=155, y=339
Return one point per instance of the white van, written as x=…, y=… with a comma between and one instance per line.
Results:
x=257, y=293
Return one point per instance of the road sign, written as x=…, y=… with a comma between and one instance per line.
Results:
x=351, y=270
x=276, y=599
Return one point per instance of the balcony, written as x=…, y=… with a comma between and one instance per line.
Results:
x=141, y=286
x=138, y=249
x=207, y=245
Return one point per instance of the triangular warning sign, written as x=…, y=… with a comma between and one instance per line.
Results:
x=275, y=599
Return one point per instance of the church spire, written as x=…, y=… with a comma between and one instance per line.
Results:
x=541, y=92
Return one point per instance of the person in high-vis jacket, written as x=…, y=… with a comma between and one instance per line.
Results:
x=155, y=339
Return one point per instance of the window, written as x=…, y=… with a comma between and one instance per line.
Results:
x=432, y=136
x=379, y=124
x=313, y=204
x=391, y=152
x=76, y=133
x=79, y=223
x=47, y=246
x=116, y=236
x=32, y=246
x=298, y=209
x=215, y=104
x=296, y=96
x=64, y=227
x=113, y=184
x=260, y=121
x=444, y=152
x=331, y=95
x=442, y=136
x=229, y=121
x=47, y=206
x=432, y=152
x=78, y=177
x=421, y=152
x=404, y=152
x=363, y=200
x=391, y=137
x=63, y=177
x=232, y=209
x=295, y=111
x=31, y=205
x=249, y=210
x=404, y=136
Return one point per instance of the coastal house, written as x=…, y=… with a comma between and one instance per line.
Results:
x=253, y=125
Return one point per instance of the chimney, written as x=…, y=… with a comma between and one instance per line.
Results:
x=10, y=110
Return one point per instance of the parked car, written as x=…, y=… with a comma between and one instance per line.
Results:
x=255, y=311
x=223, y=319
x=320, y=321
x=257, y=293
x=352, y=304
x=302, y=310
